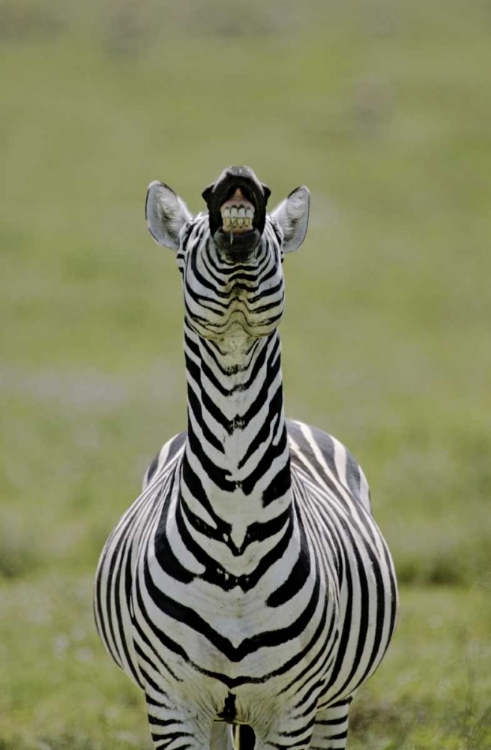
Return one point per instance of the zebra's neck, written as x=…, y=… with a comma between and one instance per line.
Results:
x=236, y=457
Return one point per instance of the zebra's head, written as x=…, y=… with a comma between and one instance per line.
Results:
x=230, y=256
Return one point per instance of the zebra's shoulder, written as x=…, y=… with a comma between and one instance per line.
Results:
x=322, y=454
x=165, y=456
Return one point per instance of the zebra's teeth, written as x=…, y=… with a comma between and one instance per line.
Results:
x=237, y=218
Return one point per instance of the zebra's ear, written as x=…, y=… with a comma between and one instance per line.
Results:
x=293, y=217
x=166, y=214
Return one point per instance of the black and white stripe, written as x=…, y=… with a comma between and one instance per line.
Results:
x=248, y=584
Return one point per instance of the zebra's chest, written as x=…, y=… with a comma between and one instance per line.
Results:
x=222, y=620
x=228, y=630
x=228, y=597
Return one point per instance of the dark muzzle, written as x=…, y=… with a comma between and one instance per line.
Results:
x=237, y=210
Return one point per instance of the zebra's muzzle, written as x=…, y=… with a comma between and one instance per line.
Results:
x=236, y=235
x=237, y=210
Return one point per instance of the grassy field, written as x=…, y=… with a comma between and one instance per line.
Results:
x=384, y=111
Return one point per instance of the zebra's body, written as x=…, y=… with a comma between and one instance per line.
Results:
x=248, y=583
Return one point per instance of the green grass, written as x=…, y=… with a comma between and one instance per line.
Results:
x=384, y=111
x=58, y=687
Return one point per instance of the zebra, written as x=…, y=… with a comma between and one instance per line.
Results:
x=247, y=591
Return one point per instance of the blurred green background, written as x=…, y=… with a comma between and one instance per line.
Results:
x=383, y=109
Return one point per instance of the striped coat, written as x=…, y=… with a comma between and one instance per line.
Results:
x=248, y=584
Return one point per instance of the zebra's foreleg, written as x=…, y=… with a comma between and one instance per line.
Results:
x=175, y=728
x=221, y=736
x=331, y=727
